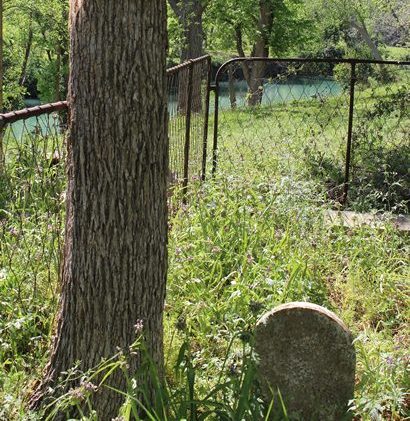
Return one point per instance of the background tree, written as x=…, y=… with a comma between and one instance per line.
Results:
x=259, y=28
x=358, y=16
x=115, y=258
x=51, y=68
x=35, y=47
x=13, y=54
x=189, y=14
x=190, y=17
x=392, y=25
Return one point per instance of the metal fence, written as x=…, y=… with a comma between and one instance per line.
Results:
x=343, y=124
x=188, y=107
x=33, y=179
x=32, y=202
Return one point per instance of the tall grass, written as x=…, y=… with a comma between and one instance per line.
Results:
x=254, y=237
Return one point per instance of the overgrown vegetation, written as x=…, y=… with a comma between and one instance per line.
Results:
x=252, y=238
x=304, y=137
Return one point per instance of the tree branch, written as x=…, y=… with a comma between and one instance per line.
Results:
x=175, y=6
x=241, y=52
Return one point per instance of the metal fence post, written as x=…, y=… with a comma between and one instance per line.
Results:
x=216, y=116
x=206, y=117
x=349, y=132
x=2, y=151
x=187, y=131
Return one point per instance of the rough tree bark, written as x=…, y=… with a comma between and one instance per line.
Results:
x=232, y=92
x=115, y=258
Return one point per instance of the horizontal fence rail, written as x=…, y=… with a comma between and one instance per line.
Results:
x=38, y=110
x=342, y=124
x=188, y=109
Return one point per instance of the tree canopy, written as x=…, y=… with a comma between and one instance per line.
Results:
x=36, y=35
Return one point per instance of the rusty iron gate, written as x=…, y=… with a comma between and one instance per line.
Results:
x=345, y=122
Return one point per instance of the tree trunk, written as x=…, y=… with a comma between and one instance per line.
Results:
x=193, y=31
x=362, y=30
x=254, y=73
x=23, y=74
x=189, y=14
x=232, y=92
x=115, y=258
x=261, y=49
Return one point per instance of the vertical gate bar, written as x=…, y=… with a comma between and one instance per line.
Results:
x=349, y=132
x=206, y=123
x=216, y=117
x=2, y=149
x=2, y=152
x=187, y=131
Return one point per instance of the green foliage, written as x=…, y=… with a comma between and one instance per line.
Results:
x=288, y=32
x=254, y=237
x=241, y=247
x=383, y=169
x=299, y=27
x=175, y=38
x=342, y=73
x=35, y=50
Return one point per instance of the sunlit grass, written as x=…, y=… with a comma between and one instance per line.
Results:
x=252, y=238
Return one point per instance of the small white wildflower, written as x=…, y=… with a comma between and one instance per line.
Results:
x=139, y=326
x=88, y=386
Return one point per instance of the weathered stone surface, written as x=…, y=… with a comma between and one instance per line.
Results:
x=306, y=352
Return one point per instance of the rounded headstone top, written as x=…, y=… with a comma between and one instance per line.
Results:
x=303, y=306
x=306, y=352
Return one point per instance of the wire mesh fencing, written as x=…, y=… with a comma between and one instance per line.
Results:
x=32, y=202
x=380, y=161
x=322, y=121
x=33, y=179
x=188, y=107
x=341, y=125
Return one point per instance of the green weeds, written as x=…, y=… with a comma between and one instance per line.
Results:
x=252, y=238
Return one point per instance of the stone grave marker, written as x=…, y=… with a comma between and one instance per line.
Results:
x=306, y=352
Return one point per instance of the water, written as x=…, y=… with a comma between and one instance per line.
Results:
x=296, y=89
x=275, y=93
x=31, y=102
x=46, y=123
